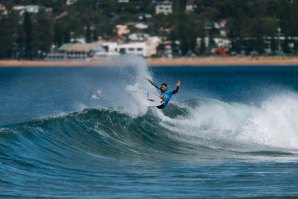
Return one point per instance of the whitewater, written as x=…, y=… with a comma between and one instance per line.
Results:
x=230, y=132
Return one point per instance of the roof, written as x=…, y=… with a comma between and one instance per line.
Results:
x=132, y=45
x=81, y=47
x=65, y=47
x=164, y=3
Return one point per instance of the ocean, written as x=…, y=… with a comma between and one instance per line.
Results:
x=77, y=132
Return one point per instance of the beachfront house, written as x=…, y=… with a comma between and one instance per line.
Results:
x=100, y=49
x=111, y=48
x=146, y=48
x=77, y=52
x=138, y=48
x=163, y=7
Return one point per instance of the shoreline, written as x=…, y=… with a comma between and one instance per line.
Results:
x=155, y=62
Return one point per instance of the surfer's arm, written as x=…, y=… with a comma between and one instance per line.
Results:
x=153, y=83
x=177, y=88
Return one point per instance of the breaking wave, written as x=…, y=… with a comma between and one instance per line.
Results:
x=195, y=130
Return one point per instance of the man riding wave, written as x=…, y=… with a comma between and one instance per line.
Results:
x=165, y=94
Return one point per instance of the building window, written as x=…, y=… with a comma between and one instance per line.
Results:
x=122, y=50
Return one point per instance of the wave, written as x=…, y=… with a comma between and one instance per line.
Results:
x=190, y=131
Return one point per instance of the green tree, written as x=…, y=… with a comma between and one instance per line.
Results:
x=185, y=33
x=27, y=28
x=44, y=33
x=61, y=33
x=8, y=30
x=88, y=34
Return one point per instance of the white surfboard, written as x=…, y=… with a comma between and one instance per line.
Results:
x=149, y=98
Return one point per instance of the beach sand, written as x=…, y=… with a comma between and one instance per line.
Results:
x=194, y=61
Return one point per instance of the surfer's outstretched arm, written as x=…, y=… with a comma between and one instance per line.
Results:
x=152, y=82
x=177, y=88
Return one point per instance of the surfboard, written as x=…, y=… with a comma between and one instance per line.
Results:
x=149, y=98
x=95, y=94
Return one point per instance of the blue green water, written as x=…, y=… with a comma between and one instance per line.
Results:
x=230, y=132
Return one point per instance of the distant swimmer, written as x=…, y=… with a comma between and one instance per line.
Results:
x=165, y=94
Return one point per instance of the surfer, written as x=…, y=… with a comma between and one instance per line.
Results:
x=165, y=94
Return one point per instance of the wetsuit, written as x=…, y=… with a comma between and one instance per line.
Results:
x=167, y=94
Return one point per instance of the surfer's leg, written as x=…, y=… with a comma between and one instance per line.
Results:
x=161, y=106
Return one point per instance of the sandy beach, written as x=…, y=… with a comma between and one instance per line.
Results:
x=194, y=61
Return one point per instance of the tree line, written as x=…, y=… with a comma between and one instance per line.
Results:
x=252, y=25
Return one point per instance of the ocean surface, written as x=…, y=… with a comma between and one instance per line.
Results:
x=230, y=132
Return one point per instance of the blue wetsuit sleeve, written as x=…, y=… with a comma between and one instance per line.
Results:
x=175, y=91
x=153, y=83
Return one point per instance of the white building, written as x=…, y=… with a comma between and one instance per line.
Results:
x=111, y=48
x=100, y=49
x=164, y=7
x=123, y=1
x=139, y=48
x=145, y=49
x=28, y=8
